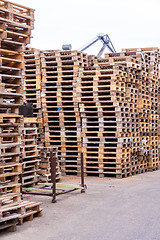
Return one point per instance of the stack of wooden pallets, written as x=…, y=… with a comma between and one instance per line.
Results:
x=32, y=84
x=62, y=122
x=126, y=92
x=119, y=110
x=148, y=103
x=30, y=156
x=106, y=108
x=32, y=80
x=16, y=23
x=106, y=128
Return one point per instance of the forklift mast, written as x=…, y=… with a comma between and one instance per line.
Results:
x=104, y=38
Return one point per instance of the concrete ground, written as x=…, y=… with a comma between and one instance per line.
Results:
x=111, y=209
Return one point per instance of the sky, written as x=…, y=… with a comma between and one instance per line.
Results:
x=128, y=23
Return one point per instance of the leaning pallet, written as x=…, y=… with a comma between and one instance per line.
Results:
x=61, y=114
x=16, y=23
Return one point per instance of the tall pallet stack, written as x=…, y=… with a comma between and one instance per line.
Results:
x=148, y=99
x=16, y=23
x=32, y=79
x=62, y=121
x=118, y=105
x=106, y=120
x=128, y=102
x=30, y=157
x=32, y=84
x=106, y=108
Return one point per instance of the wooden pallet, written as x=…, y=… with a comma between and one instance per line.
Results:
x=31, y=210
x=9, y=224
x=23, y=211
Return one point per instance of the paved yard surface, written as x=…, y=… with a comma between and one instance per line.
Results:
x=111, y=209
